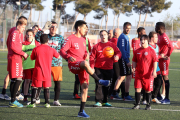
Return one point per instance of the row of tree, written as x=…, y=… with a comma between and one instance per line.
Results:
x=84, y=7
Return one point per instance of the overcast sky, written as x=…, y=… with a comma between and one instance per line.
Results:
x=175, y=8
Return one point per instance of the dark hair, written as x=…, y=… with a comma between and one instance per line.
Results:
x=145, y=38
x=140, y=29
x=79, y=23
x=102, y=31
x=160, y=25
x=29, y=30
x=151, y=34
x=126, y=23
x=44, y=38
x=35, y=26
x=53, y=22
x=20, y=23
x=22, y=17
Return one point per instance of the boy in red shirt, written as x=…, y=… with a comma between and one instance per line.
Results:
x=146, y=57
x=42, y=55
x=103, y=67
x=165, y=49
x=74, y=50
x=28, y=65
x=15, y=54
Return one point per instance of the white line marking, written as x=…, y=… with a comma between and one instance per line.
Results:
x=103, y=108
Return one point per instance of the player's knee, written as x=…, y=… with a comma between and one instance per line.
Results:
x=86, y=64
x=166, y=77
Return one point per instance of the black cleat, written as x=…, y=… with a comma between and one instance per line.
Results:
x=136, y=107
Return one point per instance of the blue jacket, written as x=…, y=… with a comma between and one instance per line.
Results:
x=124, y=47
x=55, y=42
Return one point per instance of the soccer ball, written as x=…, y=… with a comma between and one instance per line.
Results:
x=108, y=52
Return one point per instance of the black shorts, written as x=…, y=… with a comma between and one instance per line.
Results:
x=124, y=69
x=104, y=74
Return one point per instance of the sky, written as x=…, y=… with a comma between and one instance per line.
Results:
x=46, y=14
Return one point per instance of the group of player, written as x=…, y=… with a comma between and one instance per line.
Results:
x=39, y=56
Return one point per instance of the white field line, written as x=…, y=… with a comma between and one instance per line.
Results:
x=101, y=108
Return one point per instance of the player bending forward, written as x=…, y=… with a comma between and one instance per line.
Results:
x=144, y=56
x=74, y=50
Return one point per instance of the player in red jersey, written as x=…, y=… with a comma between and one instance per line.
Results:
x=43, y=56
x=165, y=49
x=77, y=82
x=74, y=50
x=103, y=67
x=6, y=80
x=15, y=55
x=110, y=35
x=116, y=33
x=144, y=56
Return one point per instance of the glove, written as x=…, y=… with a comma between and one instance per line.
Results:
x=47, y=26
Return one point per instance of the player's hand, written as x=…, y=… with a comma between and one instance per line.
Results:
x=47, y=26
x=116, y=57
x=129, y=64
x=166, y=57
x=154, y=74
x=72, y=59
x=162, y=55
x=25, y=56
x=133, y=70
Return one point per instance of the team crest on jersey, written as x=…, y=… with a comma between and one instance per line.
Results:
x=146, y=53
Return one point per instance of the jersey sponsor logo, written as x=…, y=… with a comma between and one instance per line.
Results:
x=75, y=68
x=99, y=51
x=14, y=37
x=76, y=45
x=146, y=53
x=138, y=53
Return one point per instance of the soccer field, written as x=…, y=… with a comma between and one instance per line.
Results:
x=70, y=107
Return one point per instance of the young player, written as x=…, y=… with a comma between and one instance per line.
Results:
x=77, y=82
x=153, y=38
x=103, y=67
x=28, y=65
x=6, y=80
x=165, y=49
x=110, y=35
x=124, y=62
x=15, y=55
x=43, y=56
x=144, y=56
x=55, y=41
x=74, y=50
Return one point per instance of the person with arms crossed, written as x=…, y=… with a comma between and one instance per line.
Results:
x=144, y=56
x=165, y=50
x=74, y=50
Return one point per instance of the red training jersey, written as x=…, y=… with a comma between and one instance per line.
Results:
x=165, y=45
x=114, y=40
x=43, y=55
x=74, y=47
x=27, y=43
x=97, y=58
x=14, y=44
x=144, y=58
x=135, y=44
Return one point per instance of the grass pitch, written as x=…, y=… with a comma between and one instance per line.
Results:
x=70, y=107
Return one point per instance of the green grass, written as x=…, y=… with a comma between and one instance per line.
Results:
x=70, y=107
